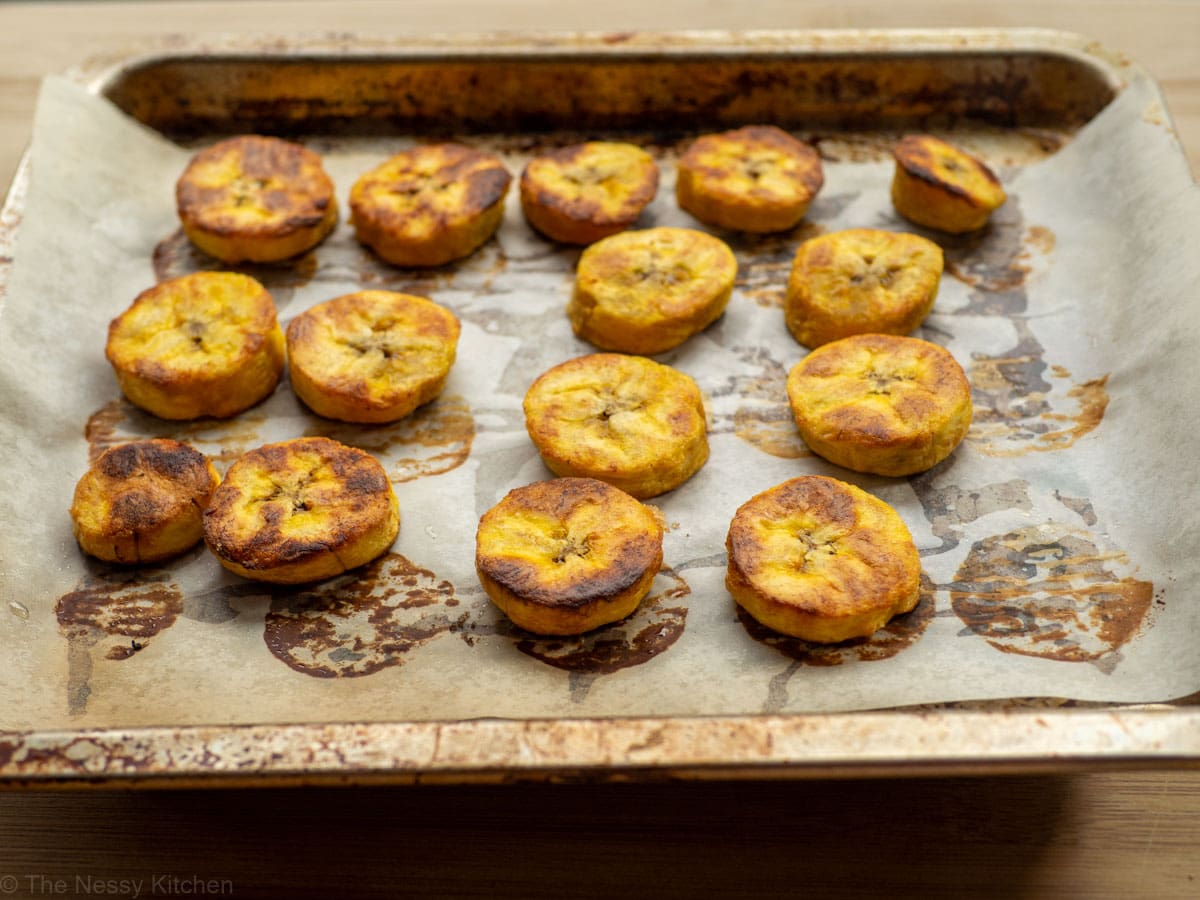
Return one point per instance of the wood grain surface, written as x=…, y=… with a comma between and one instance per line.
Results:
x=1097, y=836
x=1116, y=835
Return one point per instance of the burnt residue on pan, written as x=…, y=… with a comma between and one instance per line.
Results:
x=1051, y=591
x=221, y=440
x=434, y=439
x=361, y=622
x=112, y=614
x=570, y=87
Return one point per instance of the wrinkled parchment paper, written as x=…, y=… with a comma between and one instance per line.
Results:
x=1059, y=543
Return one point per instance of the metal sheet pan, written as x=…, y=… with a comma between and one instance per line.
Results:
x=1025, y=91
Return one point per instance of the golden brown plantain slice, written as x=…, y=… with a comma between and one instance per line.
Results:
x=206, y=344
x=568, y=555
x=301, y=510
x=371, y=356
x=881, y=403
x=861, y=281
x=141, y=502
x=821, y=560
x=940, y=186
x=430, y=205
x=648, y=291
x=255, y=199
x=758, y=179
x=585, y=192
x=625, y=420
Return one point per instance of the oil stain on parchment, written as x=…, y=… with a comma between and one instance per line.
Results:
x=1051, y=591
x=1019, y=411
x=765, y=262
x=338, y=261
x=361, y=622
x=949, y=507
x=896, y=636
x=221, y=440
x=652, y=629
x=763, y=418
x=648, y=632
x=434, y=439
x=175, y=256
x=997, y=261
x=112, y=615
x=1022, y=403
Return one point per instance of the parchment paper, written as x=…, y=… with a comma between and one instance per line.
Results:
x=1059, y=542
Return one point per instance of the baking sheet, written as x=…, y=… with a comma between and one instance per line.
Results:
x=1055, y=545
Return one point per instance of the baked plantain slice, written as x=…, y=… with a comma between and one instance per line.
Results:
x=255, y=199
x=585, y=192
x=371, y=356
x=758, y=179
x=430, y=205
x=821, y=560
x=141, y=502
x=301, y=510
x=881, y=403
x=649, y=291
x=625, y=420
x=939, y=186
x=568, y=555
x=861, y=281
x=206, y=344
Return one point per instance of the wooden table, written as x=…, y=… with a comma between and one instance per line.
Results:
x=1117, y=834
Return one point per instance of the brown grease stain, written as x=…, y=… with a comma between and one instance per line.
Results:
x=897, y=635
x=1000, y=264
x=1049, y=591
x=1011, y=420
x=132, y=610
x=770, y=429
x=175, y=256
x=1154, y=113
x=435, y=438
x=765, y=262
x=221, y=440
x=764, y=419
x=764, y=282
x=361, y=622
x=651, y=630
x=948, y=507
x=1041, y=238
x=105, y=607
